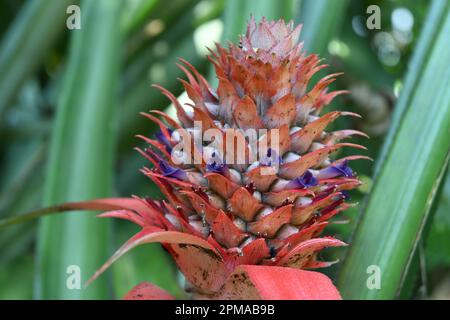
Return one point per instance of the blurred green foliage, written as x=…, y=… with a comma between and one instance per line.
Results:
x=37, y=54
x=412, y=170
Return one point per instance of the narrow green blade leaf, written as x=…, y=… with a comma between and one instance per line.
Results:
x=26, y=43
x=81, y=156
x=16, y=279
x=437, y=11
x=136, y=13
x=397, y=208
x=436, y=245
x=321, y=20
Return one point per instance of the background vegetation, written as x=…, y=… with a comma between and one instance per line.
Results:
x=69, y=103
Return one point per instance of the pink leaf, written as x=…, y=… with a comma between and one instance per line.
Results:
x=304, y=252
x=147, y=291
x=125, y=215
x=277, y=283
x=151, y=216
x=152, y=234
x=204, y=269
x=107, y=204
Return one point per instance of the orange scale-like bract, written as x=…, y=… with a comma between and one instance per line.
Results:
x=225, y=223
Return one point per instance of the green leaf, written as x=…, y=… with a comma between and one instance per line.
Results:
x=409, y=175
x=81, y=155
x=321, y=21
x=17, y=279
x=139, y=96
x=15, y=240
x=136, y=13
x=26, y=43
x=433, y=23
x=362, y=63
x=155, y=62
x=436, y=245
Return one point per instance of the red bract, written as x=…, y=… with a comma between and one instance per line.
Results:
x=245, y=229
x=215, y=273
x=259, y=282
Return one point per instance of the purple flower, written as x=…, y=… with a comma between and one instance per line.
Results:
x=338, y=170
x=163, y=139
x=271, y=158
x=169, y=171
x=216, y=165
x=304, y=181
x=345, y=195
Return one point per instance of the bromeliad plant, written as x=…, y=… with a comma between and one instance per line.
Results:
x=244, y=230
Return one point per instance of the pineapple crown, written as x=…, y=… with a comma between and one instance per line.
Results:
x=218, y=213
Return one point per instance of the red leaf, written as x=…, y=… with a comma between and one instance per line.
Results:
x=107, y=204
x=254, y=252
x=301, y=140
x=246, y=115
x=293, y=169
x=226, y=232
x=151, y=216
x=152, y=234
x=302, y=253
x=204, y=269
x=124, y=214
x=271, y=223
x=243, y=204
x=221, y=185
x=147, y=291
x=277, y=283
x=281, y=112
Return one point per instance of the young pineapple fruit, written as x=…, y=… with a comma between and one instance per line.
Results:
x=268, y=208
